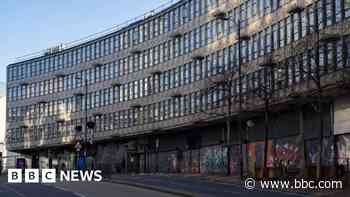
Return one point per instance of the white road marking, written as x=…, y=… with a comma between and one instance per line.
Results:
x=66, y=190
x=78, y=194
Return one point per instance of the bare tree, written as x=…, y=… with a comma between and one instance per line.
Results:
x=314, y=73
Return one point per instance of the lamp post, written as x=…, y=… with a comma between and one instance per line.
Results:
x=240, y=37
x=85, y=127
x=229, y=87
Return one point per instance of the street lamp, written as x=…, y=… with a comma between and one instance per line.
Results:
x=221, y=15
x=85, y=110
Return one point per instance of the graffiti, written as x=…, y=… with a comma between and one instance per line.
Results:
x=259, y=154
x=214, y=160
x=311, y=152
x=235, y=158
x=254, y=157
x=191, y=161
x=195, y=161
x=251, y=159
x=328, y=153
x=343, y=146
x=288, y=152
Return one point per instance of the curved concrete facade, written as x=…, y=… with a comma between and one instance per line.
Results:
x=163, y=73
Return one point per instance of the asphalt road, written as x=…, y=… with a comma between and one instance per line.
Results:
x=77, y=189
x=203, y=188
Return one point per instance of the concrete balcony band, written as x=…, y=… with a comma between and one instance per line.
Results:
x=219, y=13
x=156, y=72
x=244, y=36
x=136, y=51
x=267, y=62
x=198, y=54
x=176, y=34
x=296, y=6
x=176, y=95
x=97, y=114
x=23, y=84
x=116, y=83
x=135, y=106
x=59, y=75
x=78, y=128
x=60, y=120
x=40, y=102
x=96, y=65
x=327, y=37
x=78, y=94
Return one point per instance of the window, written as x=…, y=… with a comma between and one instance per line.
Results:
x=347, y=8
x=275, y=38
x=296, y=25
x=329, y=15
x=289, y=30
x=338, y=10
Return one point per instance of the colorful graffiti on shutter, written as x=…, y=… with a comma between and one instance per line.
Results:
x=255, y=157
x=328, y=153
x=311, y=152
x=343, y=145
x=191, y=162
x=235, y=159
x=288, y=151
x=214, y=160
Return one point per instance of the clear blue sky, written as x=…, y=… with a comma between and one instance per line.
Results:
x=33, y=25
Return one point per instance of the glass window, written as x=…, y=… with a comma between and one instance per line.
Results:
x=296, y=25
x=347, y=8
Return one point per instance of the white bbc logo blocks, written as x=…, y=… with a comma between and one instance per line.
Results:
x=14, y=176
x=51, y=176
x=31, y=176
x=48, y=176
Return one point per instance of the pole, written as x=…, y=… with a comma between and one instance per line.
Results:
x=144, y=159
x=86, y=120
x=240, y=99
x=319, y=97
x=266, y=123
x=268, y=92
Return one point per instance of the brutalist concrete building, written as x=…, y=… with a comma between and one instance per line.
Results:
x=198, y=86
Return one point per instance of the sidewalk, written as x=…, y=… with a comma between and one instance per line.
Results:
x=199, y=185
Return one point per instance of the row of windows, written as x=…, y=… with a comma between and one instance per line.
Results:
x=167, y=22
x=271, y=38
x=330, y=57
x=295, y=69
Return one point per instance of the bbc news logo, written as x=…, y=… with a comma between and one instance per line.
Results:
x=50, y=176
